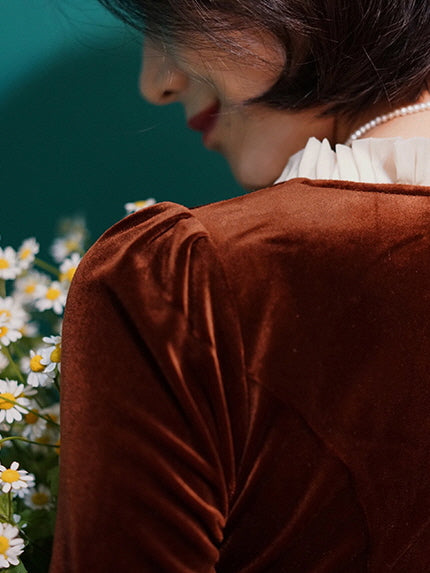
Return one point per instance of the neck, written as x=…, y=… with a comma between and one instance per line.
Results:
x=413, y=125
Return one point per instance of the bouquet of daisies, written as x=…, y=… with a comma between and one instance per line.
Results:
x=32, y=298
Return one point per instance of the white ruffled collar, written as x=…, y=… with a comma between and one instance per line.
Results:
x=369, y=160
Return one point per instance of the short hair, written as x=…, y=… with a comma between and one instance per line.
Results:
x=343, y=55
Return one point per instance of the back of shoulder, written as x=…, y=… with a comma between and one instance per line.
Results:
x=318, y=220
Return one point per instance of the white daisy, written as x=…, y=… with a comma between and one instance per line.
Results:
x=35, y=426
x=8, y=333
x=54, y=341
x=52, y=297
x=12, y=310
x=24, y=364
x=50, y=438
x=41, y=374
x=17, y=518
x=11, y=401
x=57, y=326
x=68, y=268
x=65, y=246
x=9, y=268
x=12, y=479
x=27, y=253
x=53, y=413
x=12, y=319
x=38, y=497
x=73, y=226
x=51, y=435
x=30, y=330
x=28, y=392
x=132, y=207
x=52, y=354
x=29, y=286
x=10, y=545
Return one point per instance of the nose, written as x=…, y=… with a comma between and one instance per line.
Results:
x=160, y=81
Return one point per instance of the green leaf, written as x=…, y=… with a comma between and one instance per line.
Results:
x=20, y=568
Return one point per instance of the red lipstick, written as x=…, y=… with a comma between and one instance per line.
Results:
x=205, y=120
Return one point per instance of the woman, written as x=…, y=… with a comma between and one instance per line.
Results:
x=246, y=384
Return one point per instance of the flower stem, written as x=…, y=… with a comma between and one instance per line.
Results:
x=38, y=414
x=2, y=288
x=9, y=506
x=47, y=267
x=18, y=372
x=21, y=439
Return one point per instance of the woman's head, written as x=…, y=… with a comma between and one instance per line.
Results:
x=280, y=70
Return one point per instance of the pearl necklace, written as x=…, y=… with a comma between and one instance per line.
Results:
x=407, y=110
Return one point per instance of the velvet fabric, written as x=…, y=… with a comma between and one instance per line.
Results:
x=246, y=387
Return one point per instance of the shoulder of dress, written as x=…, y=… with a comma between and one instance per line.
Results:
x=146, y=224
x=139, y=238
x=159, y=256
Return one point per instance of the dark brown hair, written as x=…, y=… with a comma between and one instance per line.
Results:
x=344, y=55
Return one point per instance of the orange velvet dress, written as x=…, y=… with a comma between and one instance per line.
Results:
x=246, y=387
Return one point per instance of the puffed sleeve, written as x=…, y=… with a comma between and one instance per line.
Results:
x=154, y=404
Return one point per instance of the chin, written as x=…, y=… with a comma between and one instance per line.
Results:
x=254, y=169
x=252, y=181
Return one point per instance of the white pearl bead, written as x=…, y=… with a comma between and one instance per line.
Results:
x=406, y=110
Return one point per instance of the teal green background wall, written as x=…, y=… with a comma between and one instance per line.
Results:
x=75, y=136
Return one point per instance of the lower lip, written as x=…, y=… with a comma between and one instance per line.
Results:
x=205, y=122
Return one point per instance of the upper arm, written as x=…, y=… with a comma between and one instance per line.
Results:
x=152, y=372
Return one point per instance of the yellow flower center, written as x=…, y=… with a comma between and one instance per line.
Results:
x=4, y=264
x=68, y=275
x=52, y=418
x=52, y=293
x=4, y=401
x=29, y=289
x=5, y=313
x=39, y=498
x=56, y=354
x=35, y=364
x=25, y=253
x=10, y=476
x=31, y=417
x=4, y=544
x=72, y=245
x=3, y=330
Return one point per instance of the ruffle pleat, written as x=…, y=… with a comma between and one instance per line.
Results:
x=369, y=160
